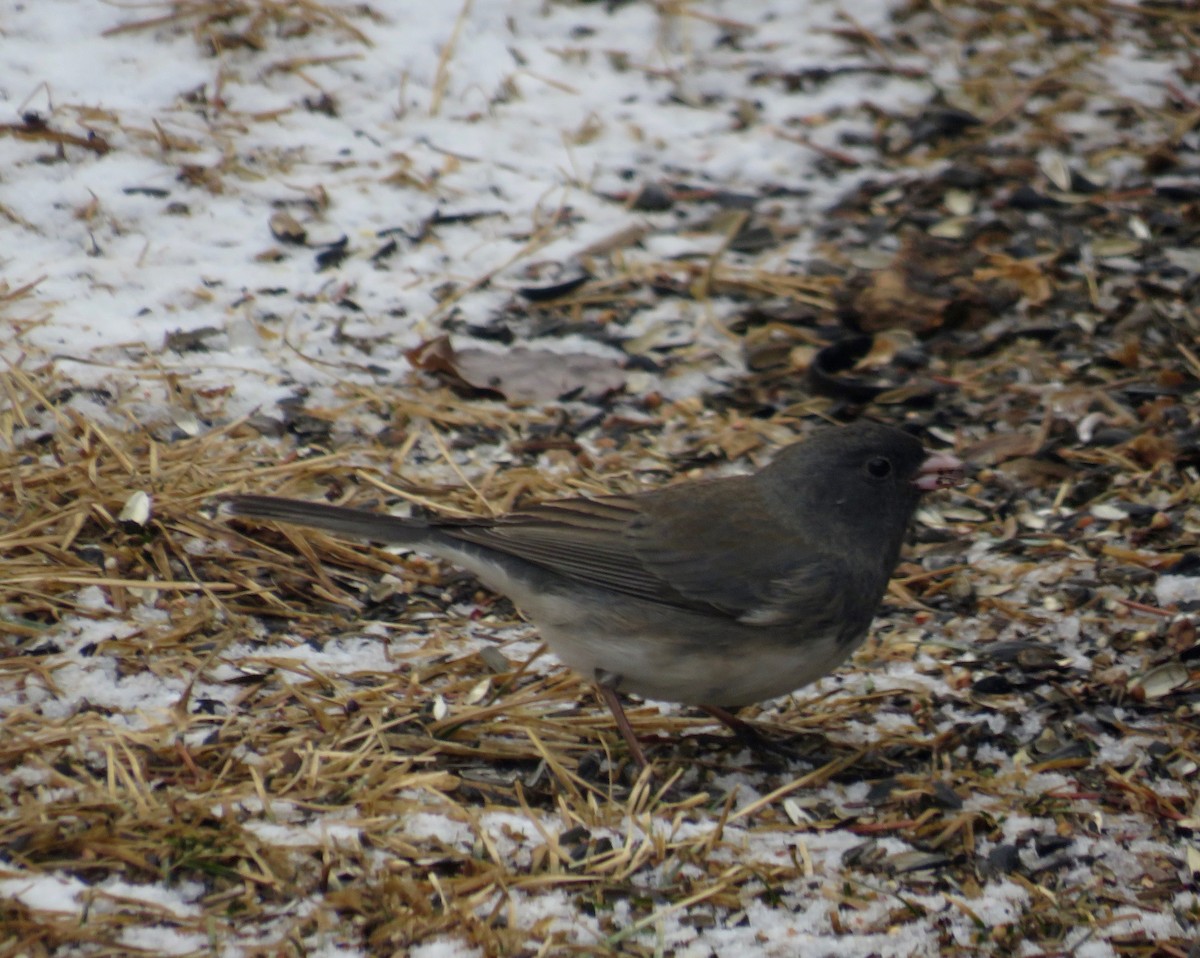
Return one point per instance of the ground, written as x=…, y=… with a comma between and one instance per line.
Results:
x=463, y=257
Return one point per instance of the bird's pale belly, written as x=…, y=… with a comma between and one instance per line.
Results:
x=719, y=662
x=662, y=652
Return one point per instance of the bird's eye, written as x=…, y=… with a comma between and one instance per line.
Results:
x=879, y=467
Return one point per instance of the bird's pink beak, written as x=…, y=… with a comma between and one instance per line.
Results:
x=940, y=471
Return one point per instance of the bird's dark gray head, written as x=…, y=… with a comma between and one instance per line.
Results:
x=856, y=486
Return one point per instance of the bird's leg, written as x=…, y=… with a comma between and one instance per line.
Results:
x=605, y=682
x=744, y=731
x=750, y=735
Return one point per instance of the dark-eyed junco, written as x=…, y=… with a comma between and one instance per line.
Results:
x=717, y=593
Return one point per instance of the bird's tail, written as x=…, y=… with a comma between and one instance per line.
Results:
x=356, y=523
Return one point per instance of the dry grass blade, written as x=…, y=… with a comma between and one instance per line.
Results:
x=201, y=15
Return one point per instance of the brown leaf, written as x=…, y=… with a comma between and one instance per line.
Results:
x=889, y=301
x=1008, y=445
x=1025, y=274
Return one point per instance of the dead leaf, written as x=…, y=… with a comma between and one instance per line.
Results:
x=520, y=375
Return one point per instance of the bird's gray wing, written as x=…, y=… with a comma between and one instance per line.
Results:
x=705, y=547
x=761, y=574
x=822, y=597
x=587, y=540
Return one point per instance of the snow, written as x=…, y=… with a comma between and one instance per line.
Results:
x=1173, y=589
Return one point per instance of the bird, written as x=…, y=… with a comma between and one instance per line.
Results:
x=716, y=593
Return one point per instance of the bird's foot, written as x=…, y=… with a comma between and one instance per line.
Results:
x=796, y=747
